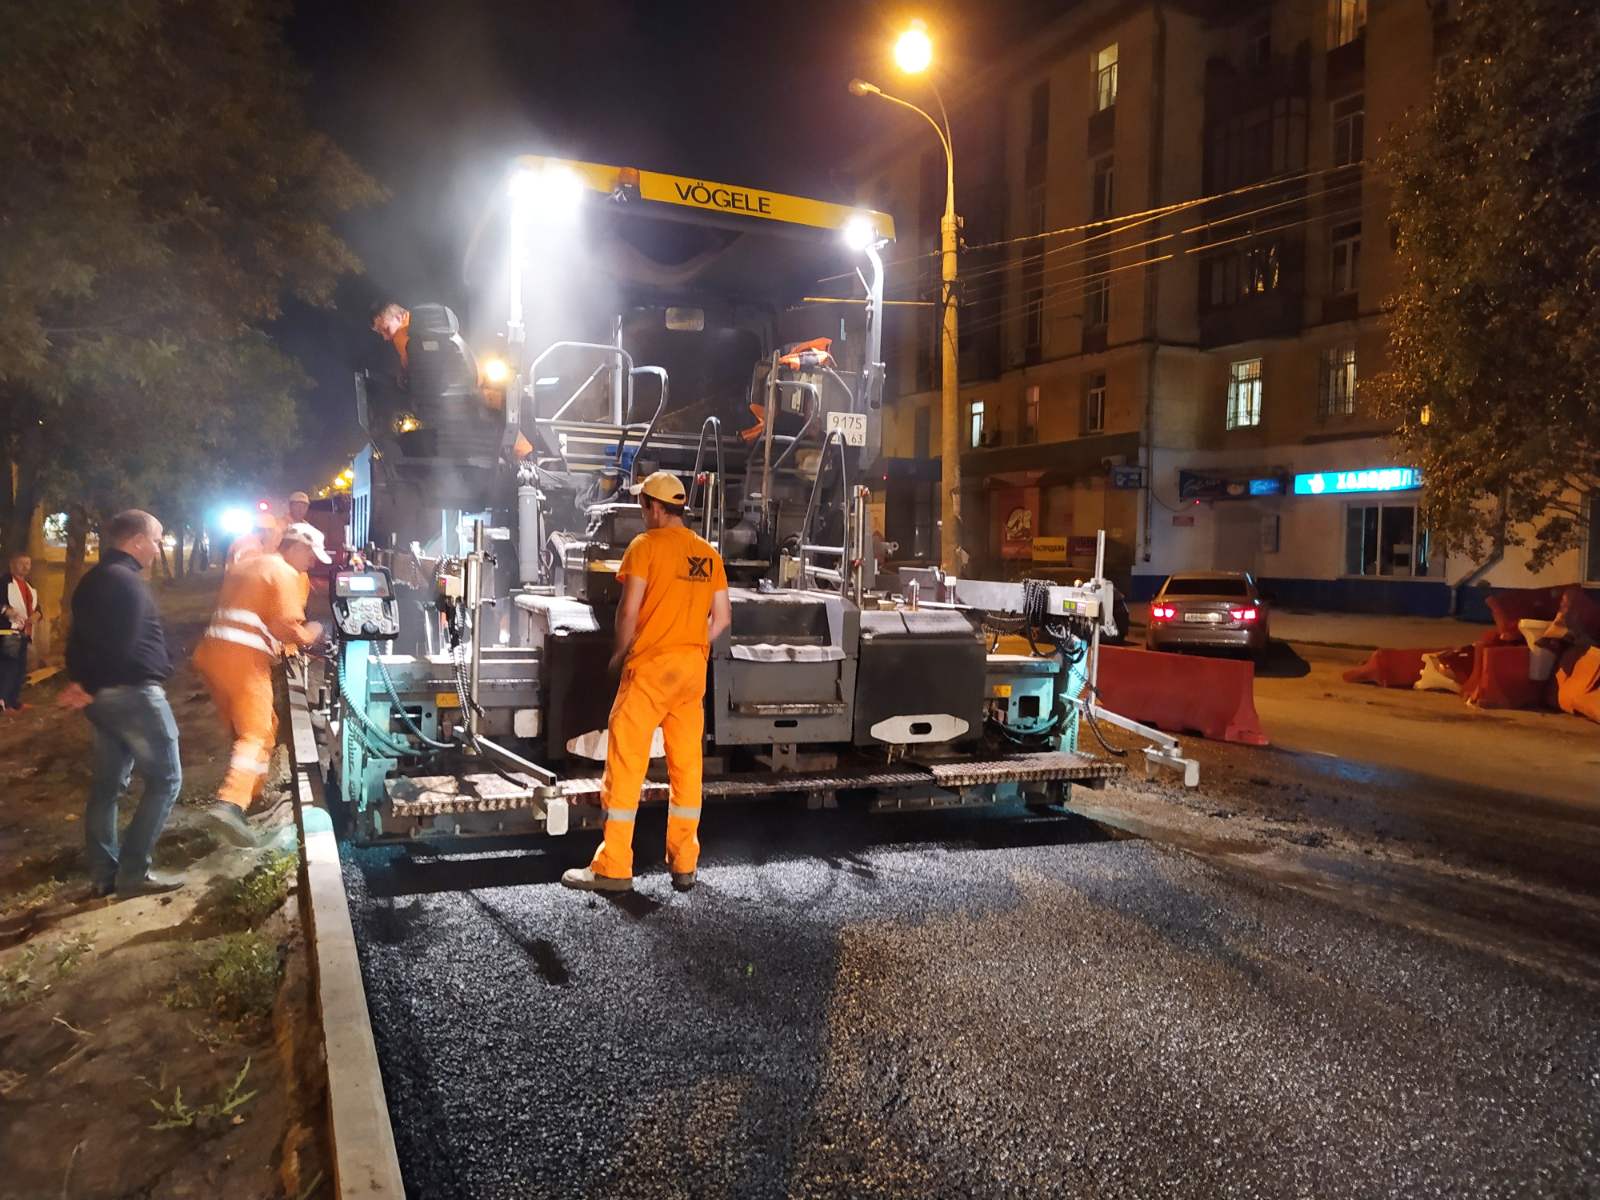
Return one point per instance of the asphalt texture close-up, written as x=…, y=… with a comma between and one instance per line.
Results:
x=952, y=1005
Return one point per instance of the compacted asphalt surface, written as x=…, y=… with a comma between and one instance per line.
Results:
x=953, y=1005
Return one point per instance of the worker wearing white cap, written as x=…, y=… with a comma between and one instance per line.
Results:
x=260, y=612
x=299, y=507
x=674, y=603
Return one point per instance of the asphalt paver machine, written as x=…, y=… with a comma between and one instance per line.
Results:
x=646, y=322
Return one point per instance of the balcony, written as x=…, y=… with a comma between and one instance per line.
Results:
x=1102, y=130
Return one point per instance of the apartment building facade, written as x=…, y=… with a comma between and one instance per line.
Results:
x=1184, y=375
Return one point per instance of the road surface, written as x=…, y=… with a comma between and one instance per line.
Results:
x=950, y=1005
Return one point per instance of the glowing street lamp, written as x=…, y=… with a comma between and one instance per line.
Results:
x=913, y=50
x=913, y=54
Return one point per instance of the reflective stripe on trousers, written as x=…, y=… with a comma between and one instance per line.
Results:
x=666, y=692
x=240, y=679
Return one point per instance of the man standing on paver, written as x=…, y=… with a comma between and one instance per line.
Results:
x=674, y=604
x=117, y=660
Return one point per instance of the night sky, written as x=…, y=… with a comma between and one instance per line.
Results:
x=435, y=98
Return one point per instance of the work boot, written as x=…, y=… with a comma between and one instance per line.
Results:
x=228, y=822
x=585, y=880
x=151, y=885
x=683, y=881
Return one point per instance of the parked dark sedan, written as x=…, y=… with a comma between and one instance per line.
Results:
x=1209, y=610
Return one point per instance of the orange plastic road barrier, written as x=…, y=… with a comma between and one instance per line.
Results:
x=1181, y=693
x=1499, y=679
x=1390, y=668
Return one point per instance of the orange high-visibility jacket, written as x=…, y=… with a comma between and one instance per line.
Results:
x=262, y=605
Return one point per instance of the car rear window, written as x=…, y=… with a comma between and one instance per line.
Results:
x=1179, y=585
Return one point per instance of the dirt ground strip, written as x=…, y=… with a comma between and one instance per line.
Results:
x=161, y=1046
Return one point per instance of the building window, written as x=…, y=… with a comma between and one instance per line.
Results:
x=1261, y=44
x=922, y=432
x=1094, y=403
x=1030, y=414
x=1346, y=259
x=1257, y=145
x=1337, y=396
x=1039, y=114
x=1348, y=130
x=1386, y=539
x=1033, y=270
x=1105, y=78
x=1244, y=393
x=975, y=422
x=1101, y=196
x=1349, y=21
x=1238, y=274
x=1097, y=296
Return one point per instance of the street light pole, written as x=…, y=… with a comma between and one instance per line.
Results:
x=949, y=344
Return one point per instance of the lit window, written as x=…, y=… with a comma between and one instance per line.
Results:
x=1030, y=414
x=1349, y=21
x=1337, y=396
x=975, y=421
x=1345, y=260
x=1348, y=131
x=1094, y=403
x=1244, y=393
x=1105, y=78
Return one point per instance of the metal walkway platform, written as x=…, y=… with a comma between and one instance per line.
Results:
x=438, y=795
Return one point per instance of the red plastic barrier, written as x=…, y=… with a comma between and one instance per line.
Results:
x=1214, y=697
x=1390, y=668
x=1500, y=679
x=1510, y=605
x=1578, y=683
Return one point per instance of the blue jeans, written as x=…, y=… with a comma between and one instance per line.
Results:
x=133, y=727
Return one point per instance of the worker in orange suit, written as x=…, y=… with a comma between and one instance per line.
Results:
x=674, y=604
x=260, y=611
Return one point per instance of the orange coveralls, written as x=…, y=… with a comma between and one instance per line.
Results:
x=260, y=611
x=663, y=687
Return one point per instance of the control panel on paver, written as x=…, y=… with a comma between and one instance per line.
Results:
x=364, y=606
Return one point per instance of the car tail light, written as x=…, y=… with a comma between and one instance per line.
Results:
x=1162, y=612
x=1244, y=614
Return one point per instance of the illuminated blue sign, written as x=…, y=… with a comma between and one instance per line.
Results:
x=1270, y=486
x=1379, y=479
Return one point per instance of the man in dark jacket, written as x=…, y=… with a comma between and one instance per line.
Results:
x=117, y=660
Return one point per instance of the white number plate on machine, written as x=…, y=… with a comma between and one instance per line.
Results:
x=851, y=426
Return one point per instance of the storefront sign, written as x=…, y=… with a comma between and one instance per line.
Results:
x=1017, y=512
x=1127, y=479
x=1339, y=483
x=1082, y=546
x=1196, y=485
x=1049, y=549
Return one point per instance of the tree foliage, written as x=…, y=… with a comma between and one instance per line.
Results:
x=164, y=195
x=1494, y=362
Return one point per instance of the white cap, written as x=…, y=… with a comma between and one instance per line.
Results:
x=300, y=531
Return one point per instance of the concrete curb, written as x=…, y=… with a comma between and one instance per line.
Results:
x=365, y=1163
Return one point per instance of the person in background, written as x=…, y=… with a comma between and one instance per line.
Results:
x=299, y=507
x=117, y=661
x=19, y=612
x=392, y=322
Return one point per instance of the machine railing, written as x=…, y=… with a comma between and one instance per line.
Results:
x=809, y=574
x=714, y=498
x=619, y=404
x=650, y=427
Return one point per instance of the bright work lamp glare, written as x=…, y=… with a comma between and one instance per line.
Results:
x=549, y=195
x=913, y=51
x=859, y=233
x=496, y=371
x=235, y=522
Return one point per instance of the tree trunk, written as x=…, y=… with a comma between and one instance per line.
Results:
x=19, y=499
x=77, y=552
